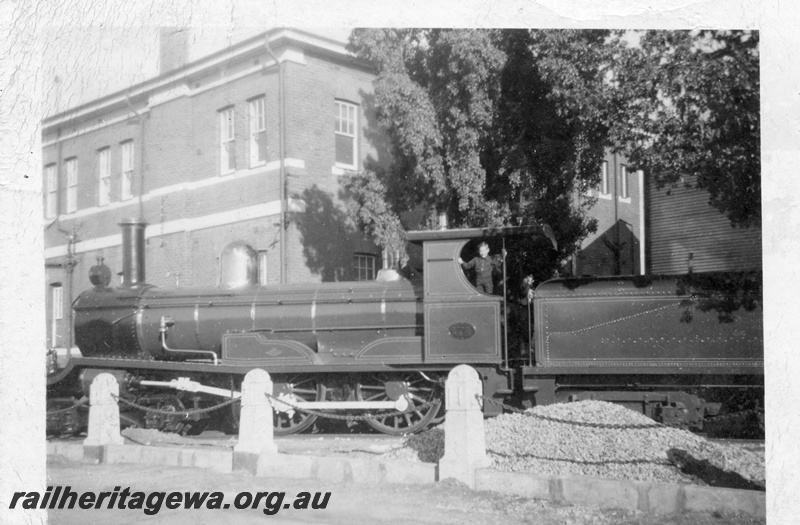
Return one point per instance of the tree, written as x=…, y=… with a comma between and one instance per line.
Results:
x=478, y=130
x=506, y=127
x=689, y=105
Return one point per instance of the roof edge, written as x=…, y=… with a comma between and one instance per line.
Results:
x=197, y=67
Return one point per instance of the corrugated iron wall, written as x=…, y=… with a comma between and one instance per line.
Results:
x=685, y=231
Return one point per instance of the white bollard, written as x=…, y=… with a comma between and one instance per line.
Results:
x=103, y=413
x=255, y=421
x=464, y=437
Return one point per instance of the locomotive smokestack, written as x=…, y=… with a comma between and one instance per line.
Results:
x=132, y=252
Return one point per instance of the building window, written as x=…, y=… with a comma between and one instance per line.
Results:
x=345, y=132
x=227, y=137
x=71, y=167
x=623, y=182
x=58, y=301
x=126, y=179
x=104, y=169
x=364, y=266
x=51, y=190
x=57, y=296
x=258, y=132
x=262, y=267
x=604, y=190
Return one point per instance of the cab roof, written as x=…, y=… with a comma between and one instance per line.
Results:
x=420, y=236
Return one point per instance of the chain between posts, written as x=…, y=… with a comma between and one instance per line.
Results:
x=347, y=417
x=350, y=417
x=80, y=403
x=175, y=412
x=567, y=421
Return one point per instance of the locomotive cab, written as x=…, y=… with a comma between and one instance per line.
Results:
x=463, y=323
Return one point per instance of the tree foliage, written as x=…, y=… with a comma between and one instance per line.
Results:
x=480, y=132
x=506, y=127
x=689, y=101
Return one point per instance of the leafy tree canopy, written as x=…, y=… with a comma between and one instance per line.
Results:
x=504, y=127
x=478, y=131
x=689, y=101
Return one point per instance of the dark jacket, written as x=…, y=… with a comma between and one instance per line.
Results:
x=483, y=268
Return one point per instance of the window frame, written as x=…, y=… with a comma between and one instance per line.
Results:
x=126, y=175
x=56, y=311
x=604, y=190
x=257, y=109
x=57, y=295
x=71, y=173
x=623, y=182
x=359, y=257
x=352, y=135
x=227, y=137
x=263, y=266
x=104, y=176
x=51, y=191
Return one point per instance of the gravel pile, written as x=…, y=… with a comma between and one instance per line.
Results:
x=560, y=440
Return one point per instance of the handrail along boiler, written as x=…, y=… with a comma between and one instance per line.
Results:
x=387, y=345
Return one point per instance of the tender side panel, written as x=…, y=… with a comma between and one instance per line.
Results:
x=632, y=326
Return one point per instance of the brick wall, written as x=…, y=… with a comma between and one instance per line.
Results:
x=618, y=226
x=189, y=205
x=323, y=239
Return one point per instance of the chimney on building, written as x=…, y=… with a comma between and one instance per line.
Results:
x=173, y=48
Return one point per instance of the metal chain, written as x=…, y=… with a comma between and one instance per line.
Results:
x=635, y=461
x=175, y=412
x=350, y=417
x=82, y=402
x=567, y=421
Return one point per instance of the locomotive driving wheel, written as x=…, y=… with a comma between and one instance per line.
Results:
x=292, y=390
x=297, y=388
x=424, y=400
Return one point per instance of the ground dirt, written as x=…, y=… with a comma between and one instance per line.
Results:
x=446, y=502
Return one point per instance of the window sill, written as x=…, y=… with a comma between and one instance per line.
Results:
x=606, y=196
x=340, y=169
x=625, y=200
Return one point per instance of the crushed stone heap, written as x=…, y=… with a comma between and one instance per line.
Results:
x=567, y=439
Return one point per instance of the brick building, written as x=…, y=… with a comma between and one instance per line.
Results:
x=617, y=248
x=204, y=153
x=642, y=229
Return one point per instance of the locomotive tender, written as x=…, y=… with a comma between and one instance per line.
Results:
x=387, y=345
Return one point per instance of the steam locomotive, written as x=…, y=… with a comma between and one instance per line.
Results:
x=386, y=346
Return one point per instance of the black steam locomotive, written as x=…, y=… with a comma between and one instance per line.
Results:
x=387, y=345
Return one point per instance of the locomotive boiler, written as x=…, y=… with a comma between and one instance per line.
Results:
x=386, y=345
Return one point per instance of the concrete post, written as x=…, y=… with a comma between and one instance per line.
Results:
x=255, y=422
x=464, y=437
x=103, y=413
